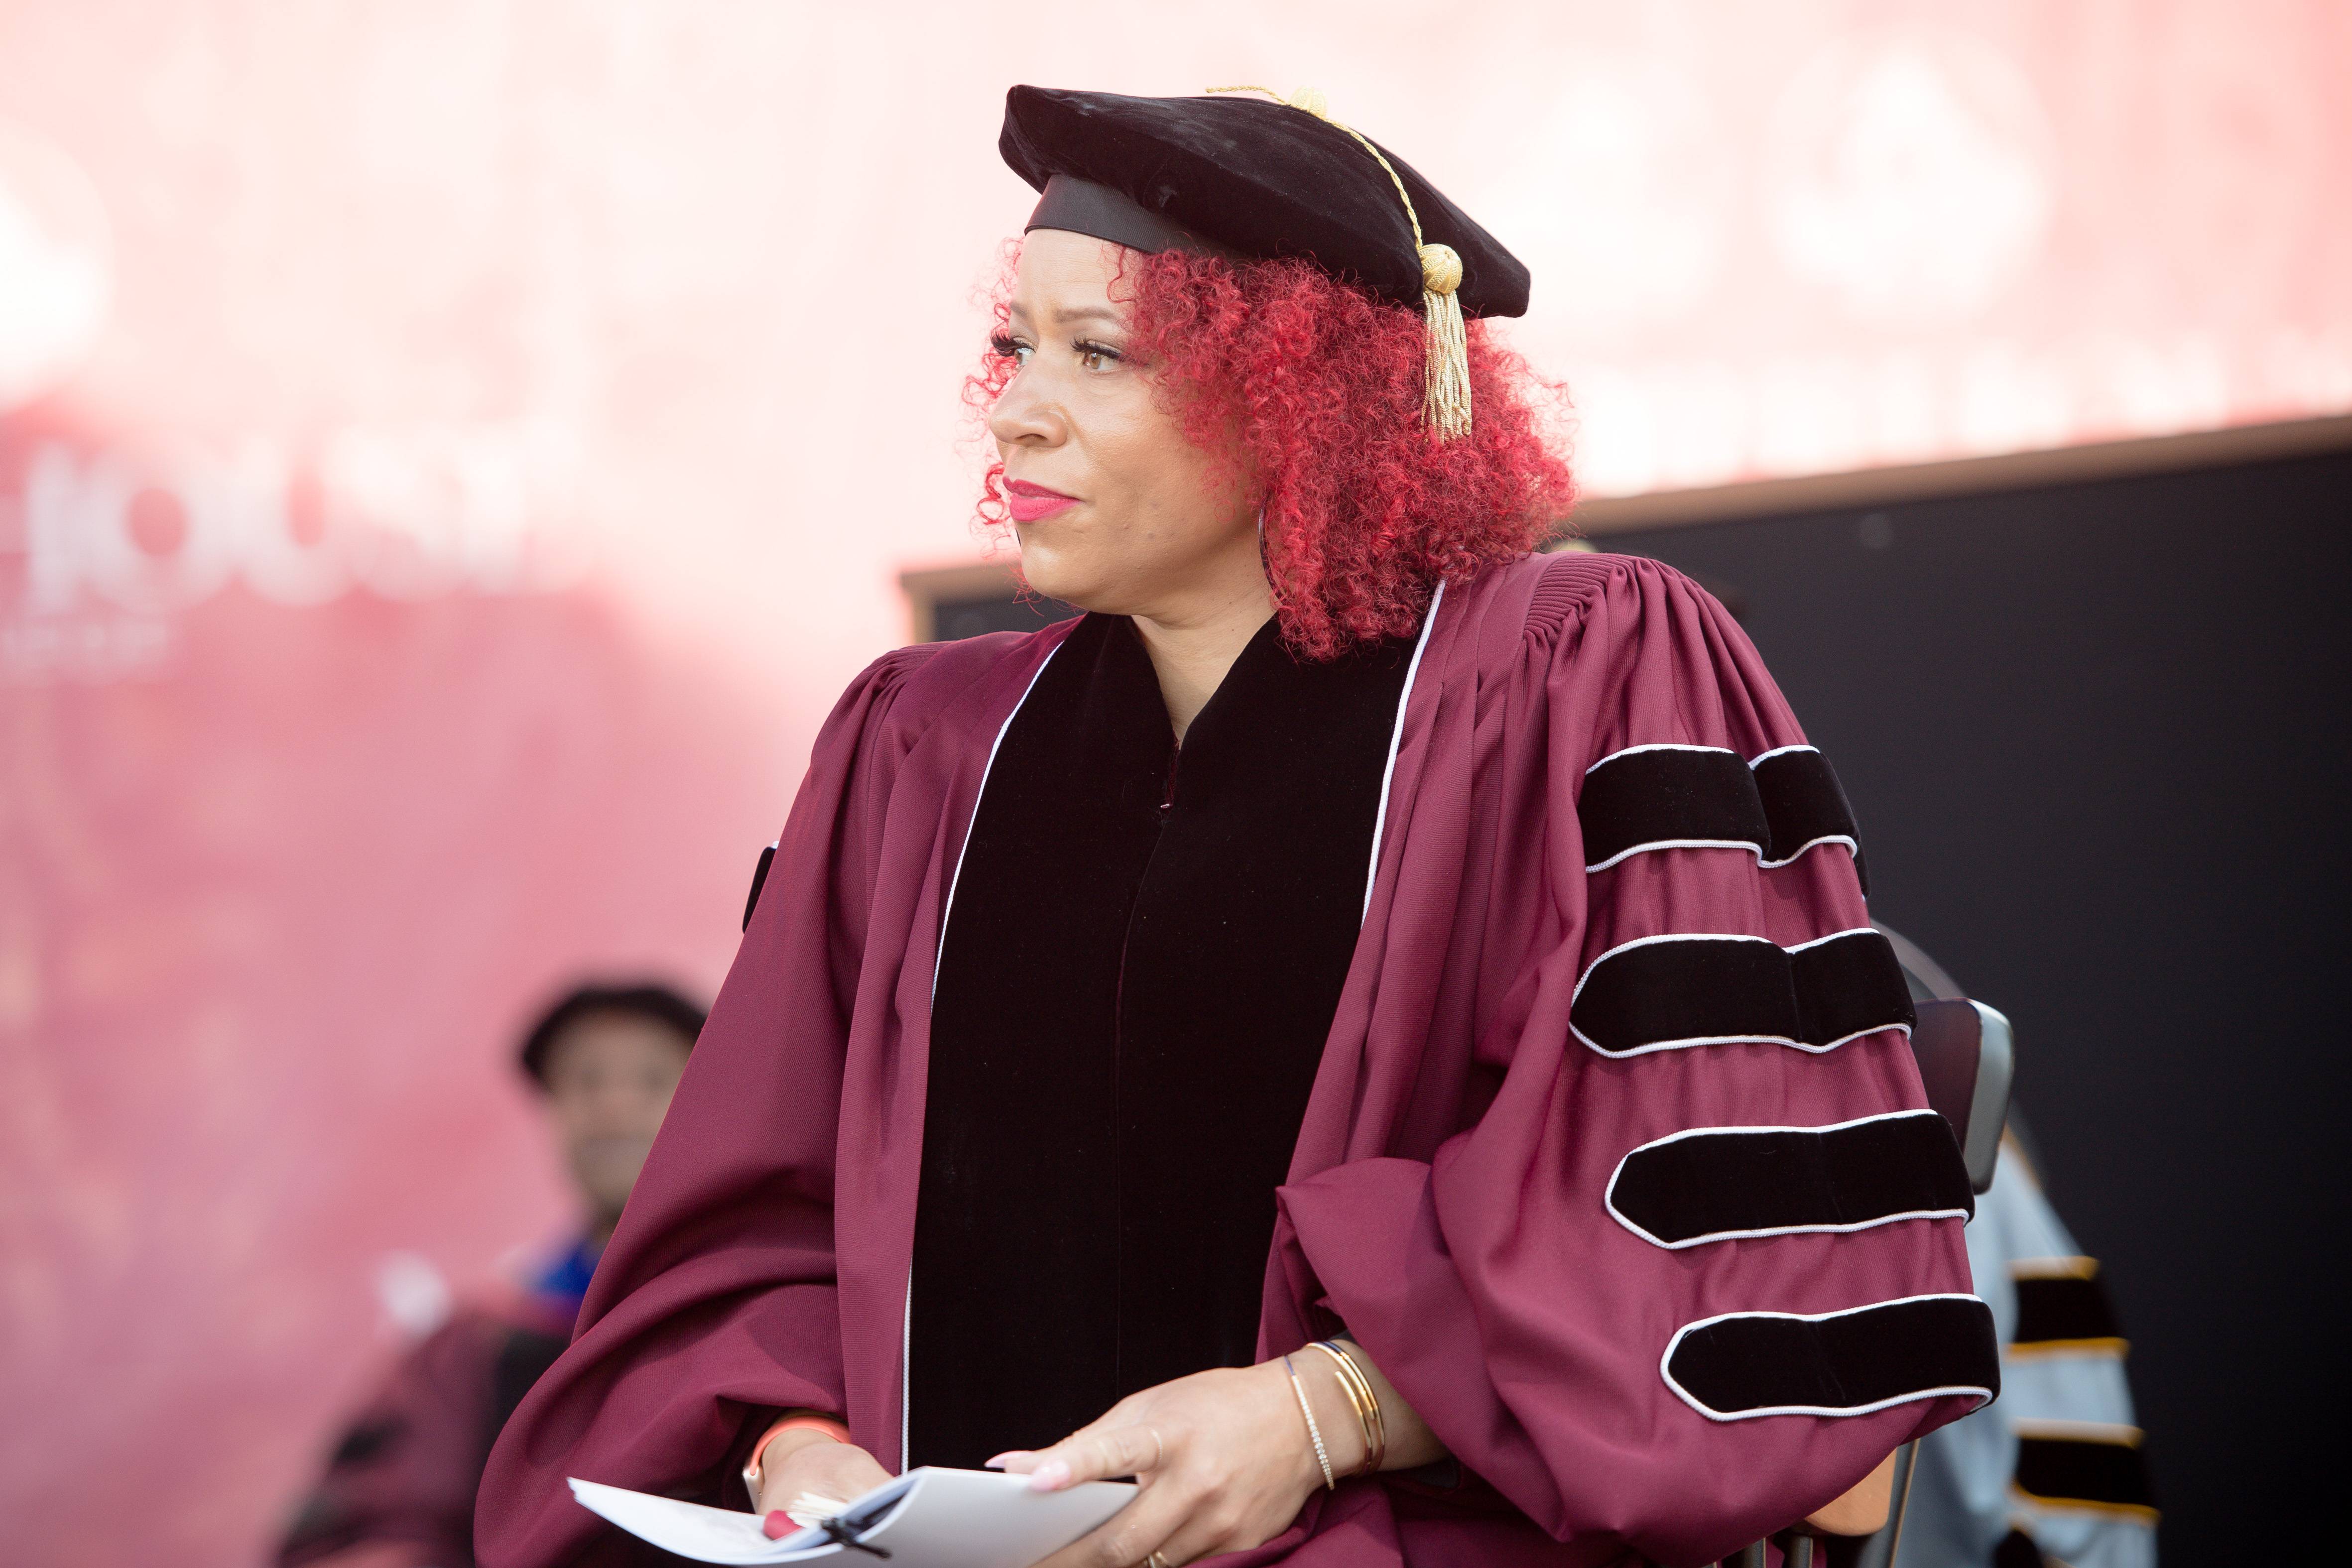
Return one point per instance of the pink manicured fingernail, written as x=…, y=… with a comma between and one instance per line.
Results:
x=998, y=1463
x=1051, y=1476
x=777, y=1525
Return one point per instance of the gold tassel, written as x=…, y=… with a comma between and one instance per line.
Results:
x=1445, y=375
x=1445, y=392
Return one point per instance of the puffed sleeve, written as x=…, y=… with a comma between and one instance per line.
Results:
x=1697, y=1267
x=716, y=1299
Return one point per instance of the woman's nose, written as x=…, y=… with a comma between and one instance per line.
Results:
x=1025, y=416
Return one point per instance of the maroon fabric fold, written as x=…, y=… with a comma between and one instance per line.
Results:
x=1446, y=1194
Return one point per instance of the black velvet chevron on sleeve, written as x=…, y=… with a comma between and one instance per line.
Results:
x=1665, y=796
x=1849, y=984
x=1844, y=1363
x=1805, y=804
x=1715, y=1183
x=759, y=881
x=1668, y=992
x=1659, y=797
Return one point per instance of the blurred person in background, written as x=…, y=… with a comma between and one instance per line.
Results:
x=2055, y=1472
x=399, y=1488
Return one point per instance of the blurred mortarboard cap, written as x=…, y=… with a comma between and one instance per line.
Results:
x=1261, y=179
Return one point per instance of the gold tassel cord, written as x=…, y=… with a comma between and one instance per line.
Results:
x=1446, y=393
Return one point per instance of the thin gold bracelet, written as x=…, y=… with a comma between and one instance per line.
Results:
x=1364, y=1400
x=1330, y=1481
x=1359, y=1400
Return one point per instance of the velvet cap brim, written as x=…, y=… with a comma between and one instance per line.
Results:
x=1262, y=181
x=1081, y=206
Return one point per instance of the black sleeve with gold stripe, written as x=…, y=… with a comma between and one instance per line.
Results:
x=2084, y=1465
x=2063, y=1307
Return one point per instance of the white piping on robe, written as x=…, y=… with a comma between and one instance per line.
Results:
x=906, y=1361
x=1396, y=739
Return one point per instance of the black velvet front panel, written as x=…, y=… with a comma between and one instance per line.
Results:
x=1139, y=970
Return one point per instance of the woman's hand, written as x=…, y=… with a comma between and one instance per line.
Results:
x=1223, y=1459
x=803, y=1460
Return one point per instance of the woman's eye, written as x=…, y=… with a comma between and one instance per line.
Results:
x=1011, y=349
x=1097, y=356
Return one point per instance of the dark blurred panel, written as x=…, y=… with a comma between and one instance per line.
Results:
x=957, y=618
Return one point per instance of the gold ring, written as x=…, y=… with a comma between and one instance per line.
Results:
x=1155, y=1561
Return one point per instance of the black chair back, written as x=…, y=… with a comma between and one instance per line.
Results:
x=1966, y=1057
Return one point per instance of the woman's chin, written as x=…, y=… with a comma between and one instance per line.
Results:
x=1052, y=578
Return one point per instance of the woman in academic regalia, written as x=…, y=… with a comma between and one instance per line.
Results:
x=1372, y=1031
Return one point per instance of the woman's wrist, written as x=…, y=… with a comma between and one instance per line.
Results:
x=1407, y=1443
x=1333, y=1420
x=779, y=1444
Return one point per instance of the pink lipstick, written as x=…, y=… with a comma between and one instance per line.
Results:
x=1029, y=502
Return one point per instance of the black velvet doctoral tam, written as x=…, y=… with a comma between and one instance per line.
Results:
x=1262, y=180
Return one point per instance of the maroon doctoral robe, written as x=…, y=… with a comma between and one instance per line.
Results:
x=1616, y=1163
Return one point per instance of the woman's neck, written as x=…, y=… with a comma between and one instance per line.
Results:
x=1191, y=648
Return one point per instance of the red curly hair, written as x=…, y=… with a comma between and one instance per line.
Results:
x=1314, y=386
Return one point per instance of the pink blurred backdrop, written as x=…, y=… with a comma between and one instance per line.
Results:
x=451, y=453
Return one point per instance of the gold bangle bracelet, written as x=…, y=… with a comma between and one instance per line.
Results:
x=1363, y=1399
x=1379, y=1451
